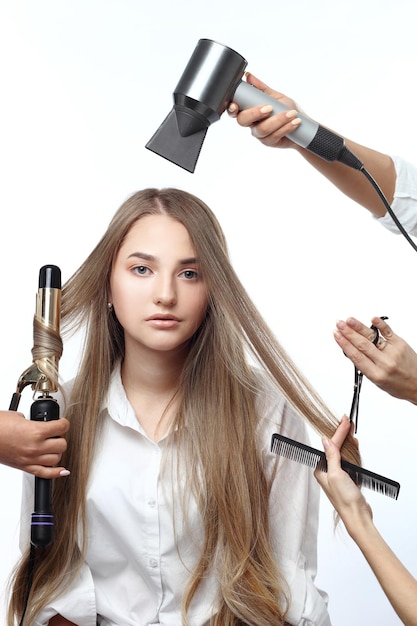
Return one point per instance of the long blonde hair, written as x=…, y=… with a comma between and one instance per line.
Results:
x=216, y=395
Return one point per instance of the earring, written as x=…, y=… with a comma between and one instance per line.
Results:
x=110, y=307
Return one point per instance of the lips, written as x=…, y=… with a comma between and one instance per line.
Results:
x=163, y=321
x=162, y=316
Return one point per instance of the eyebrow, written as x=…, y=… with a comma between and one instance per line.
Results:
x=150, y=257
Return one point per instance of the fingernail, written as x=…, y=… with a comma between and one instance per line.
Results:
x=351, y=321
x=232, y=108
x=64, y=472
x=340, y=324
x=296, y=122
x=325, y=443
x=291, y=114
x=267, y=108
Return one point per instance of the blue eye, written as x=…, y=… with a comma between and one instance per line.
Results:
x=190, y=274
x=141, y=269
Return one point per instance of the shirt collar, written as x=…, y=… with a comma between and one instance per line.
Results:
x=118, y=407
x=116, y=403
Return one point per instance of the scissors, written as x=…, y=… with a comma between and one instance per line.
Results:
x=354, y=411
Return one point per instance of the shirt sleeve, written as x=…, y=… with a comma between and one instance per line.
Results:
x=294, y=515
x=404, y=204
x=77, y=602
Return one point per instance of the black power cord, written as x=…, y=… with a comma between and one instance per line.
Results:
x=332, y=147
x=388, y=208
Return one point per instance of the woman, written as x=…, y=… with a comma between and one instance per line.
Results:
x=176, y=511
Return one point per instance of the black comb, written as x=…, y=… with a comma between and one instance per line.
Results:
x=300, y=452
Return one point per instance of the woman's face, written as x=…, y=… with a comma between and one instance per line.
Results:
x=157, y=291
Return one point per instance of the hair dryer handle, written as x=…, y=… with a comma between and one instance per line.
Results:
x=309, y=134
x=247, y=96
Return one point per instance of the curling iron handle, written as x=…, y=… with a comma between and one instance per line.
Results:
x=42, y=526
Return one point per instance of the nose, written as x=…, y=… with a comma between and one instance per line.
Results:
x=165, y=292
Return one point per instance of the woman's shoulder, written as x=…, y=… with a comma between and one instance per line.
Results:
x=276, y=413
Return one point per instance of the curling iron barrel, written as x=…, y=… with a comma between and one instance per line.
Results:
x=211, y=80
x=47, y=315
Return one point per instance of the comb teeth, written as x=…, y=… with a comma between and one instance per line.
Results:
x=302, y=453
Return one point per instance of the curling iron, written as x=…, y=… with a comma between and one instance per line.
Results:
x=42, y=375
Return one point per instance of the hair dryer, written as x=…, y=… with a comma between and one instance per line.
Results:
x=212, y=79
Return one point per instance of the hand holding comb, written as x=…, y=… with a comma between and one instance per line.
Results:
x=302, y=453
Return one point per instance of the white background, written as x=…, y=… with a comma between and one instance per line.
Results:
x=84, y=85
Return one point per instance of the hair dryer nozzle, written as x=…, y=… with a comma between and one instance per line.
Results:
x=169, y=143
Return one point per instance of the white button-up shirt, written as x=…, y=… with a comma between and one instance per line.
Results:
x=404, y=204
x=140, y=550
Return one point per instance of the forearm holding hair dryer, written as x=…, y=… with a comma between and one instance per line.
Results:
x=211, y=80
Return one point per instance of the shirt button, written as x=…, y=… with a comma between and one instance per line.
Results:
x=153, y=563
x=152, y=503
